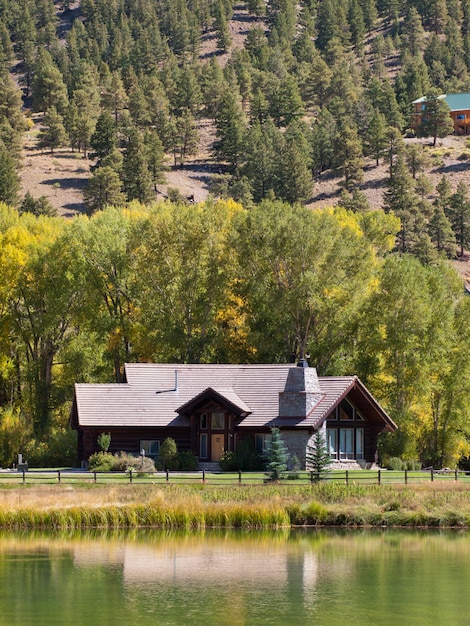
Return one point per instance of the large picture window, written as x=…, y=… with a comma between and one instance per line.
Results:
x=346, y=443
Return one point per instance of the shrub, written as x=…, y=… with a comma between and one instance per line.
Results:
x=143, y=465
x=245, y=458
x=187, y=461
x=400, y=465
x=106, y=462
x=101, y=462
x=395, y=464
x=229, y=462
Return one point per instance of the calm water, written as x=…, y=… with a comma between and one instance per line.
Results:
x=237, y=579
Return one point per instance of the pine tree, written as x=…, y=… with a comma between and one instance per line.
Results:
x=277, y=455
x=104, y=137
x=294, y=173
x=440, y=231
x=402, y=200
x=350, y=159
x=52, y=134
x=436, y=121
x=48, y=89
x=135, y=171
x=155, y=157
x=459, y=215
x=375, y=140
x=104, y=189
x=189, y=135
x=318, y=458
x=9, y=179
x=260, y=158
x=356, y=23
x=115, y=97
x=324, y=138
x=414, y=33
x=37, y=206
x=230, y=131
x=416, y=159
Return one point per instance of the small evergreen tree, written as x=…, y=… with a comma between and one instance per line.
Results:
x=168, y=455
x=103, y=189
x=318, y=457
x=37, y=206
x=277, y=455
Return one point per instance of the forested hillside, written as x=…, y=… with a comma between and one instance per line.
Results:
x=259, y=105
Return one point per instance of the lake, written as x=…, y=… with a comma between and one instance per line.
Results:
x=286, y=578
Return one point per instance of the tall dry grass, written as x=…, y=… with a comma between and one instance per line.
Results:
x=199, y=506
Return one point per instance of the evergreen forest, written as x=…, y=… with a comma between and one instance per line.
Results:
x=256, y=272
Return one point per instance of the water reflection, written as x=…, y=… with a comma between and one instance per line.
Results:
x=234, y=578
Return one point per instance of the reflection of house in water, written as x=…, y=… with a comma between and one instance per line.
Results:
x=210, y=562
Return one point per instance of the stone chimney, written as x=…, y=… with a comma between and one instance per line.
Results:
x=301, y=392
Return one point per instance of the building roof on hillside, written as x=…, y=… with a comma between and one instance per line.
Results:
x=159, y=394
x=455, y=101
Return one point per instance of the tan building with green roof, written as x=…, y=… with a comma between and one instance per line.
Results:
x=459, y=105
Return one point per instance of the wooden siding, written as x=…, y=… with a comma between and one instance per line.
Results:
x=128, y=439
x=461, y=119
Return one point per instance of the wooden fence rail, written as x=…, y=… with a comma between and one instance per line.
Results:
x=348, y=477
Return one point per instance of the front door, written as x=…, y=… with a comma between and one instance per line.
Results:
x=217, y=447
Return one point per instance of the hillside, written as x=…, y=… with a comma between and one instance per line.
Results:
x=250, y=100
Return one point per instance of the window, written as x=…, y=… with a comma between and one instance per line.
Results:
x=203, y=446
x=345, y=411
x=359, y=443
x=263, y=443
x=150, y=447
x=218, y=421
x=461, y=116
x=349, y=442
x=203, y=421
x=346, y=443
x=331, y=435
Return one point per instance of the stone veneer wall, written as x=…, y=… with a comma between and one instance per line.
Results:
x=297, y=442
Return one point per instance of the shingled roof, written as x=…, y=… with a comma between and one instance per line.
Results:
x=159, y=394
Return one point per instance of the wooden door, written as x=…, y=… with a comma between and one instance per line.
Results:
x=217, y=447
